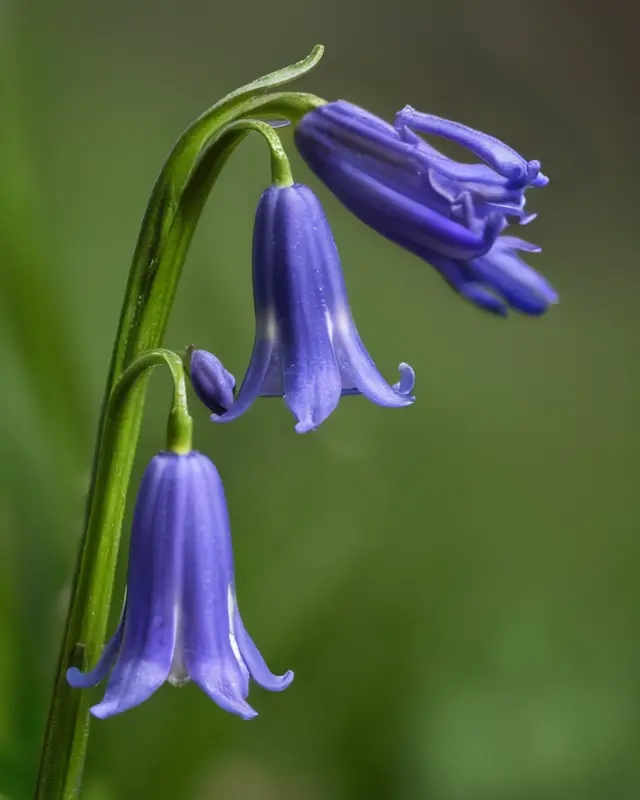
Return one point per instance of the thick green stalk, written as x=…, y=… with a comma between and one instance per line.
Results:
x=172, y=215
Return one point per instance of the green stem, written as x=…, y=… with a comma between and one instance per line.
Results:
x=174, y=209
x=280, y=167
x=180, y=424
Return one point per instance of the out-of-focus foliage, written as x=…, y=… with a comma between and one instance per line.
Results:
x=454, y=584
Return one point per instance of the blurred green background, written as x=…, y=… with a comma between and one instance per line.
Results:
x=454, y=584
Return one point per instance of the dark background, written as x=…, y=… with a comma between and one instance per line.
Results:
x=454, y=584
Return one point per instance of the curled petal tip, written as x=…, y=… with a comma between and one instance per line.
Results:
x=407, y=380
x=282, y=681
x=256, y=664
x=285, y=680
x=104, y=710
x=80, y=680
x=271, y=682
x=84, y=680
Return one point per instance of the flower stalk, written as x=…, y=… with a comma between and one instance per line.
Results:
x=89, y=609
x=174, y=209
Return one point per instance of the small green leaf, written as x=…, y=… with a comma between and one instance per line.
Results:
x=275, y=79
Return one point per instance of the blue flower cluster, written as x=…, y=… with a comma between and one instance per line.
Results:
x=181, y=619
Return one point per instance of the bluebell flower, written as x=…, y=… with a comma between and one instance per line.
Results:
x=181, y=619
x=306, y=347
x=451, y=214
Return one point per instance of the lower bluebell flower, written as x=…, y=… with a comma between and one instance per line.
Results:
x=181, y=620
x=446, y=212
x=306, y=347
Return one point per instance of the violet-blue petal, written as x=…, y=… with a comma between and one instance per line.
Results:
x=365, y=376
x=208, y=653
x=252, y=383
x=84, y=680
x=153, y=588
x=366, y=185
x=396, y=215
x=499, y=156
x=264, y=348
x=311, y=376
x=371, y=383
x=357, y=367
x=523, y=288
x=500, y=279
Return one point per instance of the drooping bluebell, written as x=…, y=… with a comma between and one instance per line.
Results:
x=306, y=346
x=181, y=620
x=450, y=214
